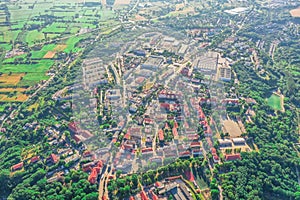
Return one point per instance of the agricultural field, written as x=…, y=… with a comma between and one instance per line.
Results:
x=19, y=97
x=37, y=30
x=13, y=79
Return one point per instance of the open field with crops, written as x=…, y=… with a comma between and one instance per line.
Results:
x=45, y=29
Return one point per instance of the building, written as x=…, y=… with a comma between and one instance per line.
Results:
x=207, y=63
x=153, y=63
x=239, y=141
x=161, y=135
x=231, y=157
x=52, y=159
x=223, y=143
x=34, y=159
x=224, y=70
x=93, y=72
x=17, y=166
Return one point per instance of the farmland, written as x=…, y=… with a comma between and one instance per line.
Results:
x=35, y=33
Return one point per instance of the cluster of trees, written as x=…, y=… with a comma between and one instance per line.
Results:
x=73, y=186
x=271, y=171
x=129, y=185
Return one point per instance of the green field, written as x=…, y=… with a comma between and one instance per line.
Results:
x=32, y=78
x=9, y=60
x=71, y=43
x=41, y=66
x=274, y=102
x=34, y=36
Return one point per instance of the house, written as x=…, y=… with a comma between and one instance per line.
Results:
x=197, y=152
x=195, y=145
x=175, y=133
x=17, y=166
x=144, y=195
x=93, y=176
x=53, y=158
x=154, y=196
x=231, y=157
x=185, y=154
x=223, y=143
x=148, y=121
x=161, y=135
x=216, y=159
x=213, y=151
x=73, y=126
x=34, y=159
x=147, y=150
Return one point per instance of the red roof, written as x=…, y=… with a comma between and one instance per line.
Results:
x=93, y=176
x=161, y=135
x=144, y=195
x=148, y=121
x=114, y=140
x=100, y=163
x=213, y=151
x=53, y=158
x=76, y=138
x=127, y=135
x=216, y=157
x=174, y=131
x=154, y=196
x=195, y=144
x=131, y=198
x=147, y=150
x=34, y=159
x=233, y=157
x=165, y=105
x=158, y=184
x=175, y=124
x=17, y=166
x=73, y=127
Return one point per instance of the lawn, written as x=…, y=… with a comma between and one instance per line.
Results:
x=274, y=102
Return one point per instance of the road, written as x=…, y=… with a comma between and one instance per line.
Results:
x=103, y=192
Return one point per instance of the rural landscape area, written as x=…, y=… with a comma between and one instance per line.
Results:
x=149, y=99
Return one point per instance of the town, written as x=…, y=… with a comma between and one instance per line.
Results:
x=149, y=100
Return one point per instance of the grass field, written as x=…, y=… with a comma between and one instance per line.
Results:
x=32, y=78
x=34, y=36
x=71, y=43
x=274, y=102
x=55, y=28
